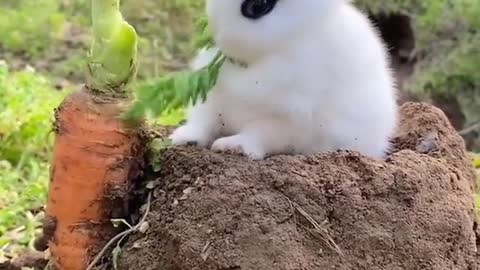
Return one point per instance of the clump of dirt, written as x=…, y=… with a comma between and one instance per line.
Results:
x=328, y=211
x=29, y=260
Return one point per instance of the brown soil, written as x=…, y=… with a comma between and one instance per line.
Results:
x=31, y=260
x=329, y=211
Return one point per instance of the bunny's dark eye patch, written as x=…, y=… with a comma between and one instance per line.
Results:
x=256, y=9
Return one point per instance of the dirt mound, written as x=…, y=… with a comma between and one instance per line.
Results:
x=330, y=211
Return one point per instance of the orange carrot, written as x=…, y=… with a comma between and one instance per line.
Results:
x=95, y=159
x=96, y=156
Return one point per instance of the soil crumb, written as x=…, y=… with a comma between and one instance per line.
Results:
x=415, y=210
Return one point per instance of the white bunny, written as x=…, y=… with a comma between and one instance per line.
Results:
x=316, y=79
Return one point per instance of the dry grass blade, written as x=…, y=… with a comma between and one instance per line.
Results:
x=122, y=235
x=470, y=129
x=317, y=228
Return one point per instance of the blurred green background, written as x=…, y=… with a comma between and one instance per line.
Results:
x=42, y=57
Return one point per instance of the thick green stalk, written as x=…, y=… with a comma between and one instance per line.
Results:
x=112, y=59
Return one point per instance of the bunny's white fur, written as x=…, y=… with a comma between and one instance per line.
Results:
x=317, y=80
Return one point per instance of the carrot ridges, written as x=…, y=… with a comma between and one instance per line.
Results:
x=96, y=159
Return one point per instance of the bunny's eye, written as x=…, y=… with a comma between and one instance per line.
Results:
x=255, y=9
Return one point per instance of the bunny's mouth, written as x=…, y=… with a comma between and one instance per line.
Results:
x=256, y=9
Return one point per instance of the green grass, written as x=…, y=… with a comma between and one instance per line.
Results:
x=26, y=110
x=53, y=35
x=447, y=32
x=44, y=23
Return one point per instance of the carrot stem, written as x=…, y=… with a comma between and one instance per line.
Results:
x=113, y=55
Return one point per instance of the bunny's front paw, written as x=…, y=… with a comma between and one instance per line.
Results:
x=240, y=144
x=188, y=134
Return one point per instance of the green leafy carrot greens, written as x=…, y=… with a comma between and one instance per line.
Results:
x=178, y=90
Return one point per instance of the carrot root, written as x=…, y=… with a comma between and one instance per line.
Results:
x=96, y=159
